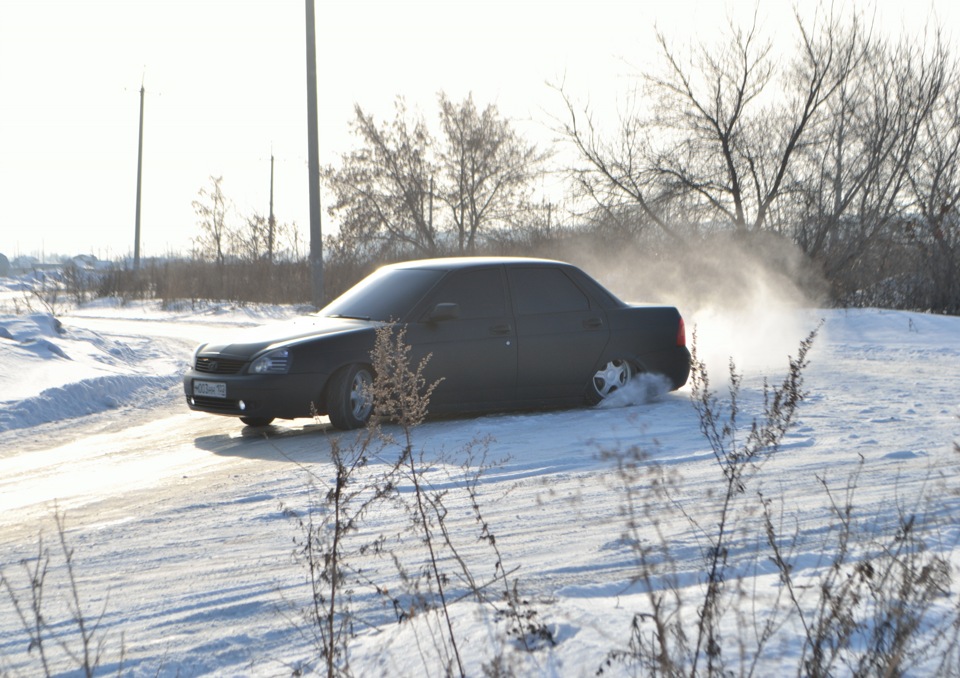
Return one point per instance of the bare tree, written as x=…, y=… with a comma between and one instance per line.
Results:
x=723, y=129
x=616, y=176
x=259, y=240
x=381, y=190
x=404, y=191
x=486, y=167
x=211, y=209
x=935, y=188
x=743, y=125
x=855, y=190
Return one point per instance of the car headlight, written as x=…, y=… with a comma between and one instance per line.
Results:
x=274, y=362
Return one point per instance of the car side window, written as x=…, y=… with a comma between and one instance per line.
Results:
x=480, y=294
x=545, y=290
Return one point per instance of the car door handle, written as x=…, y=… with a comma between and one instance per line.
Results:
x=501, y=329
x=593, y=323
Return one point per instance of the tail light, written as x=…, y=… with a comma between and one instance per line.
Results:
x=681, y=334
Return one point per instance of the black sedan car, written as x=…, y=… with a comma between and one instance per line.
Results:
x=503, y=333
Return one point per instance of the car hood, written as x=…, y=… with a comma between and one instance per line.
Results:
x=245, y=344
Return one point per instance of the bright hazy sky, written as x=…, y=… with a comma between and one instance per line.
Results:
x=225, y=88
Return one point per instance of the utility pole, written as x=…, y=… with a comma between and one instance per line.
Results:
x=136, y=237
x=313, y=160
x=271, y=221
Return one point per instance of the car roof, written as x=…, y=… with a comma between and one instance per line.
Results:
x=452, y=263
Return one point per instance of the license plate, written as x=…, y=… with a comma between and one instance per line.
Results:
x=210, y=389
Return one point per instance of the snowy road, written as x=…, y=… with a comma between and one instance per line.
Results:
x=109, y=460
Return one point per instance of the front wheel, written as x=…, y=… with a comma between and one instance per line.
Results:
x=608, y=379
x=349, y=397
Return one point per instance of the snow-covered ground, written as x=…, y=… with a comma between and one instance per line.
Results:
x=182, y=548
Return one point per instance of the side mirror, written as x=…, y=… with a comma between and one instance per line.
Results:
x=444, y=311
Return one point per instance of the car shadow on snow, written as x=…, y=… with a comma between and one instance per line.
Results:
x=308, y=441
x=293, y=443
x=529, y=436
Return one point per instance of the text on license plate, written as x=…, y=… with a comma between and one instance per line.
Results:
x=210, y=389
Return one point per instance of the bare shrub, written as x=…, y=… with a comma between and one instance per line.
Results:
x=77, y=644
x=876, y=609
x=325, y=551
x=663, y=640
x=876, y=604
x=46, y=290
x=425, y=565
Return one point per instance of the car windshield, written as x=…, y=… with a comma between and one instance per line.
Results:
x=388, y=294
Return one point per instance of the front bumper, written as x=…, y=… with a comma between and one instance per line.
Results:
x=277, y=396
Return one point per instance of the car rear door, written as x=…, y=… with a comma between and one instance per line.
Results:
x=560, y=333
x=475, y=353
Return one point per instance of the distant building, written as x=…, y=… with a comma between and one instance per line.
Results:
x=4, y=266
x=84, y=261
x=25, y=263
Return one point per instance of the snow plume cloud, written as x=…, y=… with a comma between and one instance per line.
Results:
x=740, y=292
x=642, y=389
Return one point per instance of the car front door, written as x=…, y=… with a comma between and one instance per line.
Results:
x=472, y=345
x=560, y=333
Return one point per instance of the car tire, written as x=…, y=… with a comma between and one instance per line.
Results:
x=349, y=403
x=256, y=421
x=611, y=377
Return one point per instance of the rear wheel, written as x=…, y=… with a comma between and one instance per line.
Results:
x=608, y=379
x=256, y=421
x=349, y=397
